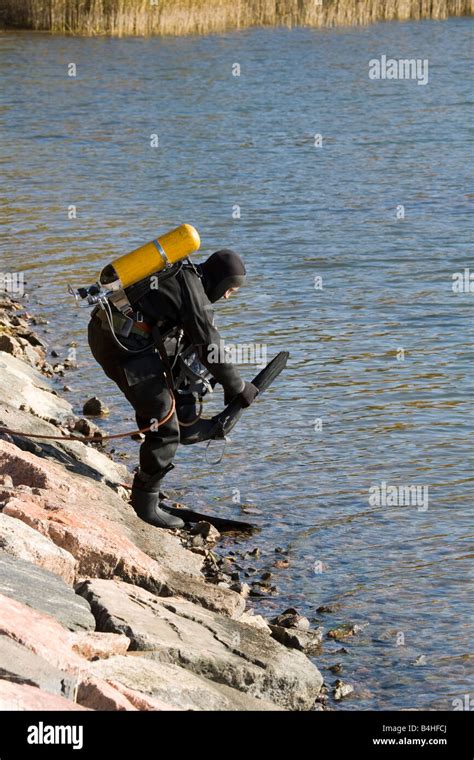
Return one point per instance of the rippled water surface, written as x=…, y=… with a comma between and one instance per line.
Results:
x=403, y=573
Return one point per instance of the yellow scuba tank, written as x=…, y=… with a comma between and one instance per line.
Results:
x=151, y=258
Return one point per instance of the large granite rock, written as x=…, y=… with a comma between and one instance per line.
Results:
x=23, y=386
x=22, y=542
x=16, y=696
x=173, y=685
x=76, y=456
x=44, y=591
x=84, y=518
x=223, y=650
x=20, y=665
x=41, y=634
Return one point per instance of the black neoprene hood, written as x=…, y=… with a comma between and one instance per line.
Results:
x=221, y=271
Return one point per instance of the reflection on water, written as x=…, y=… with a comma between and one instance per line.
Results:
x=378, y=384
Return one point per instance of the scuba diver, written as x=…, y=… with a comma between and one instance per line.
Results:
x=162, y=348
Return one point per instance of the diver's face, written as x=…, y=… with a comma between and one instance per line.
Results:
x=229, y=292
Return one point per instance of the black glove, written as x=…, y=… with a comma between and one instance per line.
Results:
x=246, y=395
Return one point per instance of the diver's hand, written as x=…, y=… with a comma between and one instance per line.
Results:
x=247, y=395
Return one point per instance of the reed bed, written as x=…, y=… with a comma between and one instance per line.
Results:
x=179, y=17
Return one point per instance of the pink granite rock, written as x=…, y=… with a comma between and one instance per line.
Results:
x=16, y=696
x=92, y=644
x=70, y=510
x=40, y=633
x=142, y=701
x=99, y=695
x=23, y=542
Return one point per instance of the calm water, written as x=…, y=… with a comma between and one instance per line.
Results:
x=305, y=212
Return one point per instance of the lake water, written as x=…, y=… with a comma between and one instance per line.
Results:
x=381, y=354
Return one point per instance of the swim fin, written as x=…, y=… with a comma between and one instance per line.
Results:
x=219, y=426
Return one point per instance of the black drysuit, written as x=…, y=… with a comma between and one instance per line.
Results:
x=180, y=301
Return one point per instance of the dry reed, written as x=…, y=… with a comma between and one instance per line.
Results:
x=179, y=17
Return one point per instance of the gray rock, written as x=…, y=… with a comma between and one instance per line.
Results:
x=44, y=591
x=217, y=647
x=305, y=641
x=206, y=530
x=20, y=665
x=176, y=686
x=342, y=690
x=78, y=457
x=20, y=385
x=290, y=618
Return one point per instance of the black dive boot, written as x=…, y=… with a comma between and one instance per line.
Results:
x=145, y=501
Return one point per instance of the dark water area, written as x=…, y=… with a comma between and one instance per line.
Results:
x=379, y=383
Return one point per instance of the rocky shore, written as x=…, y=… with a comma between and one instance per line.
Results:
x=100, y=611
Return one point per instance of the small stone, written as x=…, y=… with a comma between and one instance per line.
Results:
x=281, y=563
x=6, y=481
x=255, y=552
x=290, y=618
x=344, y=631
x=67, y=388
x=306, y=641
x=10, y=345
x=95, y=644
x=337, y=668
x=95, y=407
x=421, y=660
x=241, y=588
x=54, y=354
x=327, y=608
x=206, y=530
x=87, y=428
x=266, y=576
x=342, y=690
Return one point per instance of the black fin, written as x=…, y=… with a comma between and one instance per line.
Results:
x=219, y=426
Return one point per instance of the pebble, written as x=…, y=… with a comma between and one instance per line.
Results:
x=342, y=690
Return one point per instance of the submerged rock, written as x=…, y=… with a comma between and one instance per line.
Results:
x=345, y=631
x=95, y=407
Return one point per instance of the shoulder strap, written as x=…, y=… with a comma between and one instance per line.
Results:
x=136, y=292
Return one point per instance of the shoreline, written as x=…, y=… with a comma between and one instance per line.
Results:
x=168, y=18
x=100, y=610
